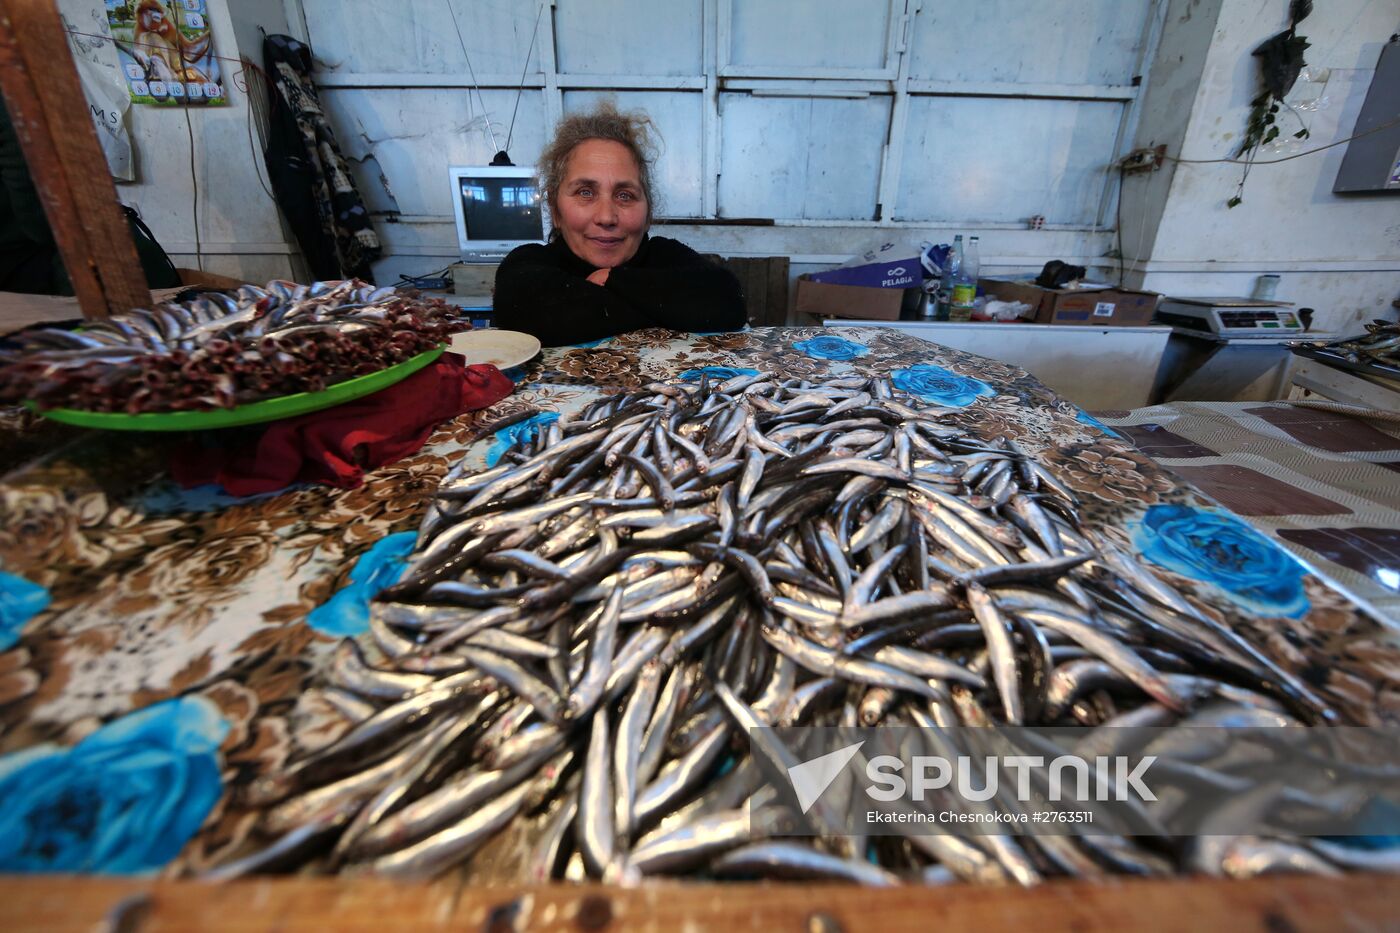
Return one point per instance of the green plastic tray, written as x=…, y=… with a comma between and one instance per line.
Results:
x=253, y=413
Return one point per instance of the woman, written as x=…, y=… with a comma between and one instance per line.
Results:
x=601, y=274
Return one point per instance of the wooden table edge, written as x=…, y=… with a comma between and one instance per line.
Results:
x=1281, y=904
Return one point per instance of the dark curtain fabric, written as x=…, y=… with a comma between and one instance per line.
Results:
x=309, y=176
x=29, y=259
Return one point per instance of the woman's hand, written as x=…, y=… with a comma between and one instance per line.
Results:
x=599, y=276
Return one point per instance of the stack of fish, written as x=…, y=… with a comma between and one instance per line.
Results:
x=1379, y=347
x=219, y=350
x=569, y=672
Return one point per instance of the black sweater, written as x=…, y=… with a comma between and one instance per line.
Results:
x=544, y=291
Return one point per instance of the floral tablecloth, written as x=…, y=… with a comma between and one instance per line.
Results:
x=160, y=648
x=1324, y=485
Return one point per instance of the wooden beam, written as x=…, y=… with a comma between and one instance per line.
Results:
x=46, y=104
x=1289, y=903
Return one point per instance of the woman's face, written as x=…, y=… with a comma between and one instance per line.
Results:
x=601, y=210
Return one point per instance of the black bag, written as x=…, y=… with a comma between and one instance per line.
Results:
x=155, y=261
x=1057, y=274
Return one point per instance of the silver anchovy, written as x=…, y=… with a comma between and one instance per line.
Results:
x=589, y=638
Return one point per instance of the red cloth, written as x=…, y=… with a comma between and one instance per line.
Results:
x=336, y=445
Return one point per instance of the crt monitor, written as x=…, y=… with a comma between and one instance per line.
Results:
x=497, y=207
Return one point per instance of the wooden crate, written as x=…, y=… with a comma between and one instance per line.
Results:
x=764, y=283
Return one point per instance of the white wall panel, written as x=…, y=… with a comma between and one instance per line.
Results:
x=800, y=158
x=414, y=134
x=677, y=171
x=1000, y=160
x=1044, y=41
x=758, y=102
x=812, y=34
x=417, y=36
x=629, y=37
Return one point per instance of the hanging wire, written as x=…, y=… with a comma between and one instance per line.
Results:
x=1249, y=162
x=470, y=71
x=1296, y=155
x=523, y=71
x=153, y=45
x=1118, y=221
x=194, y=182
x=256, y=87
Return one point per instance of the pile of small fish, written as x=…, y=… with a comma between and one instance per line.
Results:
x=564, y=681
x=1379, y=347
x=219, y=350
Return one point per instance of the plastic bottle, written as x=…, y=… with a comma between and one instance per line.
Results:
x=972, y=265
x=964, y=288
x=950, y=277
x=971, y=269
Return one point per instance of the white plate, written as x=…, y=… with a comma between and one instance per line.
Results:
x=501, y=348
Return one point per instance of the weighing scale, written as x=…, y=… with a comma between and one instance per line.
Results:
x=1231, y=317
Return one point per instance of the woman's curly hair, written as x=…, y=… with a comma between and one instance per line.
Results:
x=633, y=129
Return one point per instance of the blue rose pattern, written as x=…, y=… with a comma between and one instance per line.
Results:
x=831, y=348
x=20, y=601
x=124, y=800
x=1222, y=550
x=347, y=612
x=939, y=385
x=1083, y=417
x=166, y=497
x=716, y=372
x=522, y=432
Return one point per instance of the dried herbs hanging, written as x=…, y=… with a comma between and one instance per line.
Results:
x=1280, y=63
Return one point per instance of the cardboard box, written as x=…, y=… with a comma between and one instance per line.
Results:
x=885, y=272
x=823, y=299
x=1094, y=307
x=474, y=278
